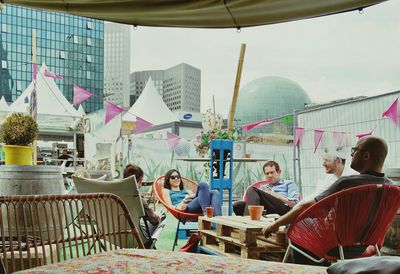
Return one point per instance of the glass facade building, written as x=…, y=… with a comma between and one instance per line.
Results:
x=70, y=46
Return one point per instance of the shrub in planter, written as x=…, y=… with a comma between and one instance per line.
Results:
x=18, y=129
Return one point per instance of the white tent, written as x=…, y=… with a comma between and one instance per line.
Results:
x=150, y=107
x=3, y=105
x=50, y=99
x=81, y=110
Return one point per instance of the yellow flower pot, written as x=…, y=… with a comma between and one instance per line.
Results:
x=18, y=155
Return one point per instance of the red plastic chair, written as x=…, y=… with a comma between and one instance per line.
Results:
x=182, y=216
x=358, y=216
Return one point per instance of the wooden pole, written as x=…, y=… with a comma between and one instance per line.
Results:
x=34, y=114
x=237, y=84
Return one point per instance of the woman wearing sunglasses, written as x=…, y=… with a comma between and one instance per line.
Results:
x=185, y=200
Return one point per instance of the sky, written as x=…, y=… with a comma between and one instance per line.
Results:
x=331, y=57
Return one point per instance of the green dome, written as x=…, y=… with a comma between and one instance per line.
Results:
x=267, y=98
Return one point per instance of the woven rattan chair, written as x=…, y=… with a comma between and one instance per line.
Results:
x=355, y=217
x=182, y=216
x=38, y=229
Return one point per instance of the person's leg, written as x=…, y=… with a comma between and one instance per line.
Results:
x=204, y=195
x=271, y=204
x=202, y=199
x=238, y=207
x=216, y=202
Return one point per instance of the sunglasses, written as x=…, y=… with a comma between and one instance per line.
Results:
x=174, y=177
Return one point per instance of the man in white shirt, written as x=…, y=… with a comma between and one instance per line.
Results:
x=334, y=162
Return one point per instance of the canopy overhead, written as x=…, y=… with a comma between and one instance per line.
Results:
x=150, y=107
x=198, y=13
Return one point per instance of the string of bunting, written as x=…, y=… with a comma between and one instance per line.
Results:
x=339, y=138
x=80, y=95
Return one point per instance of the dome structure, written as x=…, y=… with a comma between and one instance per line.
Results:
x=267, y=98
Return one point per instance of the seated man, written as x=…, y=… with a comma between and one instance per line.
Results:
x=368, y=157
x=276, y=195
x=154, y=219
x=334, y=163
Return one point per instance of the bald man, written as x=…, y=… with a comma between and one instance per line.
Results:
x=368, y=157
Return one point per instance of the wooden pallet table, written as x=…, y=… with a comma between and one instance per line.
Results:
x=239, y=236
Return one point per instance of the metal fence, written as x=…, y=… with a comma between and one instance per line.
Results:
x=360, y=115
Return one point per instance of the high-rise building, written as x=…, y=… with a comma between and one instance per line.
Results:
x=180, y=86
x=117, y=47
x=139, y=80
x=71, y=46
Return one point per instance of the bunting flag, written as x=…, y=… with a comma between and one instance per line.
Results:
x=142, y=124
x=48, y=73
x=298, y=134
x=392, y=112
x=112, y=110
x=256, y=124
x=339, y=138
x=287, y=120
x=26, y=100
x=34, y=71
x=317, y=138
x=172, y=140
x=360, y=135
x=80, y=95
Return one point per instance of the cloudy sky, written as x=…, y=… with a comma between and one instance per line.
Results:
x=331, y=57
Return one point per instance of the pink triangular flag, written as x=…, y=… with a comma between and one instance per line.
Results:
x=339, y=138
x=34, y=71
x=80, y=95
x=142, y=124
x=112, y=110
x=317, y=138
x=172, y=140
x=298, y=134
x=360, y=135
x=48, y=73
x=392, y=112
x=256, y=124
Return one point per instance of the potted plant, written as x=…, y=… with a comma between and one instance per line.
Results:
x=18, y=132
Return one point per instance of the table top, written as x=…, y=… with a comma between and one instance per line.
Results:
x=159, y=261
x=249, y=160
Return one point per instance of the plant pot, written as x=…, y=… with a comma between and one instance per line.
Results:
x=255, y=212
x=18, y=155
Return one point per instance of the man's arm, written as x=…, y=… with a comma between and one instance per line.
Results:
x=288, y=217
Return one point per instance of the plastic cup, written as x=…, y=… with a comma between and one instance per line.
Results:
x=255, y=212
x=209, y=212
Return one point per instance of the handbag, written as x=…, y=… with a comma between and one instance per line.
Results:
x=192, y=243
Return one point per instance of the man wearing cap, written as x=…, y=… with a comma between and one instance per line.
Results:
x=334, y=163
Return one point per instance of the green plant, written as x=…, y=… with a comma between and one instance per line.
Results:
x=18, y=129
x=223, y=134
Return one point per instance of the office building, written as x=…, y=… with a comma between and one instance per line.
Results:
x=117, y=47
x=70, y=46
x=139, y=80
x=180, y=86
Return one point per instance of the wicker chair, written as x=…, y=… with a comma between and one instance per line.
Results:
x=182, y=216
x=355, y=217
x=43, y=229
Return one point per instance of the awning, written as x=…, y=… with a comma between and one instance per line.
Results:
x=198, y=13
